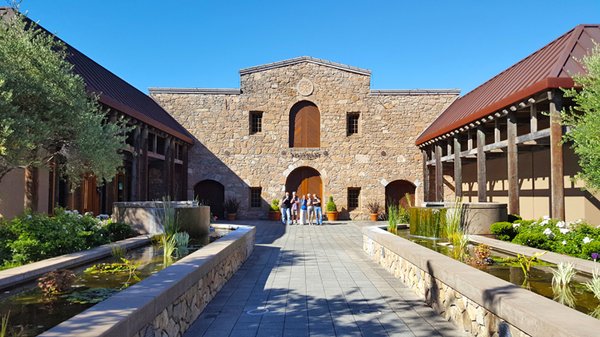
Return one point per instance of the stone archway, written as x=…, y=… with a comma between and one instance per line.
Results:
x=305, y=180
x=211, y=193
x=396, y=191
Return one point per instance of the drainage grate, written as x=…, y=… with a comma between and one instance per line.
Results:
x=257, y=311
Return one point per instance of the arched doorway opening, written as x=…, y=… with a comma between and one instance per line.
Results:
x=396, y=193
x=211, y=193
x=305, y=180
x=305, y=125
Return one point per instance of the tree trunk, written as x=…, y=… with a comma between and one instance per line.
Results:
x=31, y=187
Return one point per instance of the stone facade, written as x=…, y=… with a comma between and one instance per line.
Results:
x=381, y=152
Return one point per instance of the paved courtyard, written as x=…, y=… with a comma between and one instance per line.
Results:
x=315, y=281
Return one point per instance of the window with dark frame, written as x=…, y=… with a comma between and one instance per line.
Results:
x=352, y=123
x=255, y=199
x=255, y=122
x=353, y=197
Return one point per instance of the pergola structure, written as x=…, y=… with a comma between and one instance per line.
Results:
x=516, y=110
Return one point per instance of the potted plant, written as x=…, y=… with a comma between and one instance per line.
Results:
x=332, y=213
x=231, y=206
x=274, y=212
x=374, y=209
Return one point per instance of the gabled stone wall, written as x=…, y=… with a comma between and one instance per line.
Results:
x=225, y=151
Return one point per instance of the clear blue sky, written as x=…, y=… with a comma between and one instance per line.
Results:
x=406, y=44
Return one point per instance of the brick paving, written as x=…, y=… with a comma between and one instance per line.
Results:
x=315, y=281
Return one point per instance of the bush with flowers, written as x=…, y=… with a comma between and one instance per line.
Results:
x=577, y=238
x=33, y=236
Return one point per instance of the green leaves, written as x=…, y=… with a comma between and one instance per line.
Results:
x=45, y=111
x=584, y=120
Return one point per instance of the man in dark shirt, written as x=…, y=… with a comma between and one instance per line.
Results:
x=285, y=204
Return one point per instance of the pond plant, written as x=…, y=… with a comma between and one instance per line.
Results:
x=56, y=282
x=393, y=214
x=562, y=276
x=91, y=296
x=4, y=325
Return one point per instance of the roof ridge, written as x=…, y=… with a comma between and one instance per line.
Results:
x=571, y=43
x=299, y=59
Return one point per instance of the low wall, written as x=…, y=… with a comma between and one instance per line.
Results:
x=479, y=303
x=166, y=303
x=145, y=217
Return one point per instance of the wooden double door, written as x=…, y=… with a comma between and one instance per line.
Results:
x=305, y=180
x=305, y=125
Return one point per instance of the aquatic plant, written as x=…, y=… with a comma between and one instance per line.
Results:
x=91, y=296
x=56, y=282
x=563, y=274
x=181, y=239
x=117, y=251
x=4, y=325
x=563, y=294
x=169, y=220
x=429, y=222
x=392, y=218
x=525, y=262
x=594, y=284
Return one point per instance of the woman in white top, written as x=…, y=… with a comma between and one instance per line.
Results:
x=309, y=209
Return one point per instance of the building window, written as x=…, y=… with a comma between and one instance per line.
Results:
x=352, y=123
x=353, y=197
x=255, y=122
x=255, y=199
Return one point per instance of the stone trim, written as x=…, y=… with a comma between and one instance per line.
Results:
x=308, y=59
x=413, y=92
x=28, y=272
x=168, y=302
x=198, y=91
x=480, y=303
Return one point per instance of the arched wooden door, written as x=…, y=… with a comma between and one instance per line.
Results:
x=305, y=180
x=305, y=125
x=395, y=193
x=211, y=193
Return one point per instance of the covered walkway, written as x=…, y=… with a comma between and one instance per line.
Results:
x=315, y=281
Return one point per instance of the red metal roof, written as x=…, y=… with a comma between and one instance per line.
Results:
x=549, y=67
x=119, y=95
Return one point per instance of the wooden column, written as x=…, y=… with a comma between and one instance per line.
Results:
x=143, y=164
x=135, y=164
x=457, y=169
x=30, y=199
x=533, y=127
x=185, y=165
x=513, y=164
x=481, y=172
x=439, y=173
x=426, y=187
x=557, y=183
x=167, y=167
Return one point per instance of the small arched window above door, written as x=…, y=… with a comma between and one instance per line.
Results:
x=305, y=125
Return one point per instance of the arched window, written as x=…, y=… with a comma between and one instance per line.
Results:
x=305, y=125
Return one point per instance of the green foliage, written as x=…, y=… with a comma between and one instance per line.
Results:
x=393, y=215
x=274, y=205
x=504, y=231
x=118, y=251
x=331, y=206
x=526, y=262
x=46, y=114
x=403, y=215
x=429, y=222
x=533, y=239
x=584, y=120
x=118, y=231
x=594, y=284
x=514, y=217
x=125, y=266
x=562, y=275
x=56, y=282
x=4, y=325
x=91, y=296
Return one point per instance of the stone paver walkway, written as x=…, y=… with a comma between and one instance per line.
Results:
x=315, y=281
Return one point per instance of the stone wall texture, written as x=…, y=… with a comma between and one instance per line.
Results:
x=383, y=151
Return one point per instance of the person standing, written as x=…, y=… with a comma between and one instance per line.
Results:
x=309, y=208
x=317, y=209
x=295, y=203
x=285, y=205
x=303, y=208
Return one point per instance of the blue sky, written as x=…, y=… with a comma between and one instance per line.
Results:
x=406, y=44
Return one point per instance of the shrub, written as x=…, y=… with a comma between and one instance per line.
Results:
x=534, y=239
x=504, y=231
x=589, y=248
x=514, y=217
x=331, y=206
x=6, y=237
x=117, y=231
x=275, y=205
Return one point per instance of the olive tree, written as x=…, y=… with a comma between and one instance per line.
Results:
x=584, y=120
x=46, y=115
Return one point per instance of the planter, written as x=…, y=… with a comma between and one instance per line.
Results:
x=373, y=216
x=231, y=216
x=274, y=215
x=332, y=216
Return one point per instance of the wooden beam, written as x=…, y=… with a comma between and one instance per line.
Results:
x=556, y=159
x=439, y=172
x=496, y=131
x=469, y=141
x=533, y=123
x=457, y=169
x=481, y=172
x=513, y=165
x=425, y=176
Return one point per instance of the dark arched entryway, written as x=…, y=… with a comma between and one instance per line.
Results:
x=304, y=180
x=305, y=125
x=396, y=192
x=211, y=193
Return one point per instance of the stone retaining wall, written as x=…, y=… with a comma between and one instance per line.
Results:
x=481, y=304
x=166, y=303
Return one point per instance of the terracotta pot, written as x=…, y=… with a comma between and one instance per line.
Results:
x=373, y=216
x=275, y=215
x=332, y=216
x=231, y=216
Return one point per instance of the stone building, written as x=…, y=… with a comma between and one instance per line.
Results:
x=303, y=124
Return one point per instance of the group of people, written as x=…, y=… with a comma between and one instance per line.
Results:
x=305, y=210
